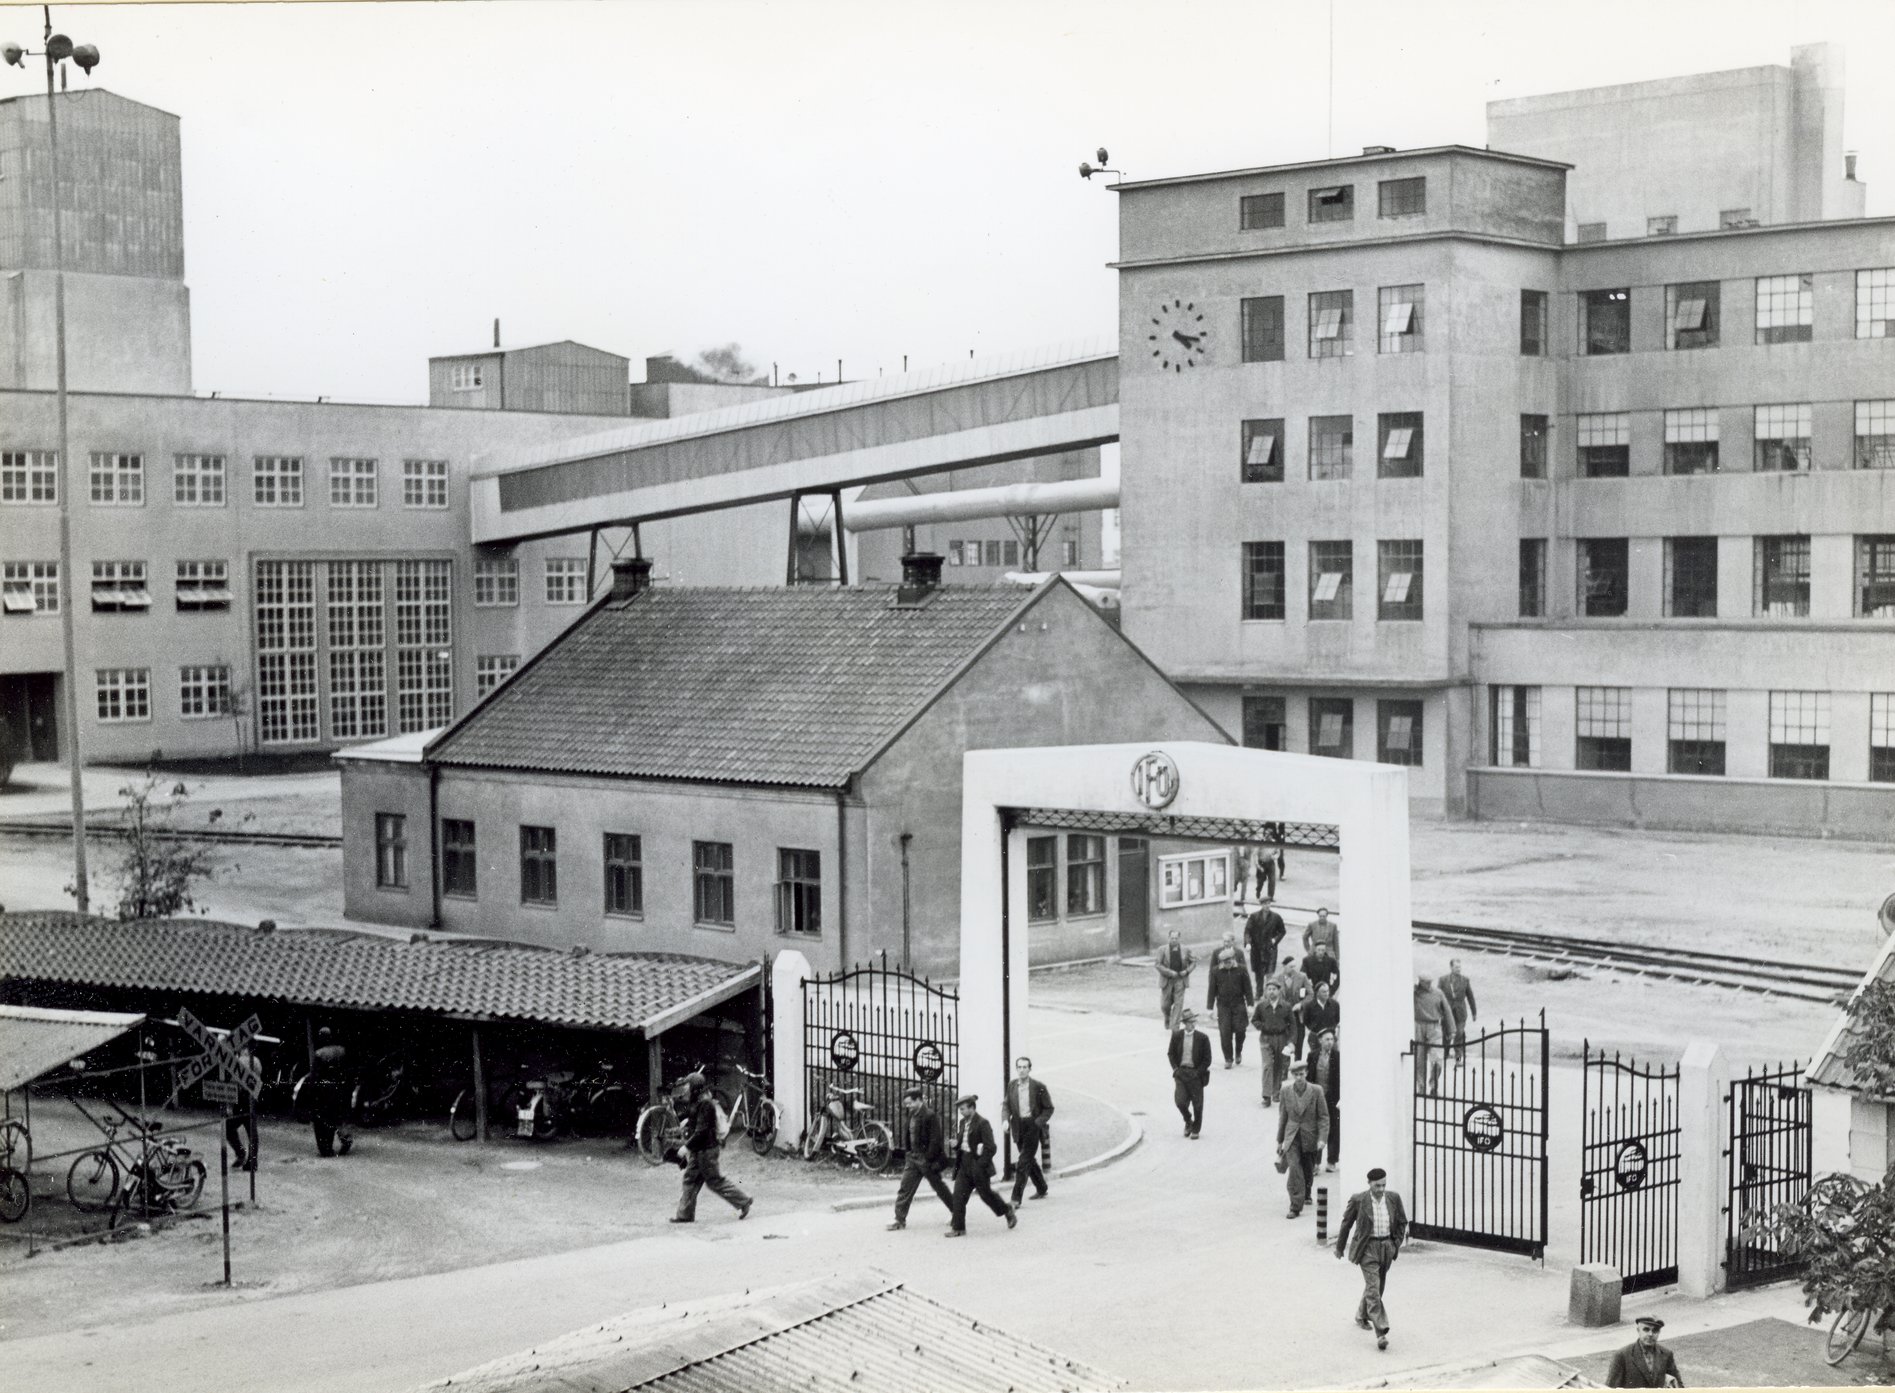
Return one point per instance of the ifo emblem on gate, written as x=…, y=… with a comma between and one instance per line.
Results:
x=1630, y=1165
x=928, y=1061
x=1155, y=780
x=1482, y=1127
x=844, y=1051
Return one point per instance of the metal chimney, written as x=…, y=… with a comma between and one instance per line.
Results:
x=631, y=576
x=920, y=577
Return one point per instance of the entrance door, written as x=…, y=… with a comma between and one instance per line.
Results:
x=28, y=708
x=1134, y=896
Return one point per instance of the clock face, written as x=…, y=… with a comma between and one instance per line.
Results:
x=1178, y=336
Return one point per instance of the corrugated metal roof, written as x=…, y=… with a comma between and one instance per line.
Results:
x=861, y=1333
x=325, y=967
x=34, y=1040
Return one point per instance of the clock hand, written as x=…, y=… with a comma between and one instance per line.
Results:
x=1188, y=340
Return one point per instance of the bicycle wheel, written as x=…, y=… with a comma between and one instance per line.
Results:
x=763, y=1124
x=814, y=1138
x=183, y=1185
x=128, y=1205
x=545, y=1123
x=92, y=1182
x=462, y=1119
x=878, y=1144
x=653, y=1122
x=16, y=1146
x=16, y=1196
x=1845, y=1335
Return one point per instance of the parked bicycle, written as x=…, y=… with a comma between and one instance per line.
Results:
x=97, y=1180
x=598, y=1103
x=660, y=1127
x=754, y=1114
x=847, y=1127
x=165, y=1179
x=16, y=1162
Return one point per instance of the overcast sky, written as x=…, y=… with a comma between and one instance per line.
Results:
x=366, y=185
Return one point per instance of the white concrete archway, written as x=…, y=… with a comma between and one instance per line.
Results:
x=1368, y=803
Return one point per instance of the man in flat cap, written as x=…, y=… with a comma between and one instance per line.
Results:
x=1644, y=1363
x=1374, y=1227
x=974, y=1167
x=927, y=1155
x=1301, y=1134
x=1190, y=1056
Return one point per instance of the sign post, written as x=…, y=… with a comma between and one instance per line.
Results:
x=238, y=1081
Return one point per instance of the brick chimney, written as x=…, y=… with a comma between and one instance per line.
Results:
x=631, y=576
x=920, y=577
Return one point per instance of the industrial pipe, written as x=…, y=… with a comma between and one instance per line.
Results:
x=1009, y=500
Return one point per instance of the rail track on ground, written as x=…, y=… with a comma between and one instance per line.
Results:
x=112, y=831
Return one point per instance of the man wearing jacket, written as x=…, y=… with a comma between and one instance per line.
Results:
x=1231, y=995
x=1459, y=994
x=1432, y=1023
x=1029, y=1108
x=927, y=1155
x=1302, y=1132
x=1175, y=963
x=1374, y=1227
x=1190, y=1056
x=1263, y=931
x=974, y=1167
x=1644, y=1363
x=1325, y=1073
x=1275, y=1023
x=699, y=1152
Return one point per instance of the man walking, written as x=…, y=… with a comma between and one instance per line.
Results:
x=1431, y=1027
x=1325, y=1073
x=1175, y=963
x=927, y=1155
x=240, y=1128
x=1301, y=1134
x=1321, y=933
x=700, y=1151
x=1190, y=1055
x=1263, y=931
x=1374, y=1227
x=1296, y=990
x=974, y=1167
x=1231, y=994
x=1275, y=1024
x=329, y=1095
x=1644, y=1363
x=1459, y=993
x=1029, y=1109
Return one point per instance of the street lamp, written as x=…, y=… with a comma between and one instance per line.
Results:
x=1087, y=169
x=58, y=50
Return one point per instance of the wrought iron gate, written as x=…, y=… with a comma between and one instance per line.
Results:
x=1480, y=1141
x=1629, y=1169
x=1770, y=1131
x=880, y=1029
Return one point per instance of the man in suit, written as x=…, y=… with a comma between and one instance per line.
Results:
x=1325, y=1075
x=1263, y=931
x=1459, y=993
x=1029, y=1108
x=1374, y=1227
x=974, y=1167
x=1175, y=963
x=1297, y=989
x=1190, y=1055
x=927, y=1155
x=1230, y=995
x=1644, y=1363
x=1302, y=1132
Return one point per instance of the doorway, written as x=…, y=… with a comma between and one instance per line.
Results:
x=28, y=706
x=1134, y=897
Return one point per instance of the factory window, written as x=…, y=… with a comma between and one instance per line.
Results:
x=1875, y=303
x=1694, y=731
x=1603, y=576
x=1331, y=446
x=1400, y=585
x=203, y=692
x=1335, y=204
x=1662, y=226
x=287, y=710
x=1400, y=198
x=1533, y=577
x=1605, y=322
x=1782, y=436
x=1332, y=727
x=29, y=476
x=1085, y=874
x=1042, y=878
x=202, y=587
x=1875, y=435
x=1265, y=722
x=124, y=694
x=1010, y=552
x=714, y=881
x=1515, y=727
x=798, y=892
x=990, y=553
x=491, y=669
x=1602, y=728
x=539, y=865
x=1400, y=434
x=1398, y=732
x=956, y=554
x=624, y=856
x=424, y=631
x=1782, y=588
x=1069, y=552
x=1331, y=580
x=354, y=483
x=276, y=481
x=197, y=481
x=1692, y=314
x=1257, y=211
x=1263, y=580
x=460, y=863
x=1799, y=735
x=118, y=479
x=565, y=580
x=1401, y=309
x=1729, y=218
x=1605, y=444
x=391, y=851
x=119, y=587
x=30, y=587
x=464, y=377
x=1691, y=577
x=1262, y=328
x=356, y=621
x=1203, y=878
x=1882, y=737
x=424, y=483
x=1875, y=577
x=1261, y=451
x=1785, y=308
x=1691, y=440
x=1591, y=232
x=1332, y=324
x=1533, y=447
x=496, y=581
x=1533, y=323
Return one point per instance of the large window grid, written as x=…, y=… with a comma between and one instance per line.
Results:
x=1533, y=431
x=496, y=582
x=1401, y=311
x=460, y=862
x=1265, y=722
x=1875, y=435
x=29, y=476
x=1332, y=727
x=1782, y=577
x=202, y=587
x=1533, y=305
x=1602, y=728
x=1042, y=879
x=1604, y=576
x=491, y=669
x=1691, y=314
x=1785, y=308
x=1331, y=446
x=203, y=691
x=1691, y=440
x=1401, y=198
x=1882, y=737
x=1516, y=727
x=1258, y=211
x=1605, y=322
x=798, y=892
x=1333, y=204
x=358, y=649
x=1331, y=580
x=1261, y=445
x=1262, y=328
x=1799, y=735
x=1398, y=585
x=1782, y=435
x=539, y=865
x=1085, y=874
x=29, y=587
x=1691, y=577
x=714, y=884
x=424, y=483
x=1694, y=731
x=116, y=479
x=1399, y=453
x=624, y=854
x=1533, y=577
x=120, y=587
x=1263, y=580
x=1875, y=577
x=1604, y=441
x=565, y=580
x=424, y=633
x=354, y=483
x=276, y=481
x=123, y=694
x=197, y=481
x=1875, y=303
x=1398, y=733
x=1332, y=324
x=287, y=710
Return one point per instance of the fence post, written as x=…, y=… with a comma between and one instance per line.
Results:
x=1703, y=1176
x=789, y=1078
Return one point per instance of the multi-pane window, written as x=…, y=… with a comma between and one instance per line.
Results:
x=286, y=652
x=1010, y=552
x=990, y=553
x=1042, y=878
x=424, y=483
x=1265, y=722
x=1398, y=732
x=1085, y=873
x=957, y=554
x=1691, y=440
x=1262, y=328
x=1263, y=580
x=1533, y=305
x=424, y=631
x=1782, y=435
x=30, y=587
x=355, y=615
x=496, y=581
x=391, y=851
x=1400, y=198
x=539, y=865
x=464, y=377
x=29, y=476
x=1691, y=314
x=1069, y=551
x=202, y=586
x=203, y=691
x=1604, y=576
x=1331, y=446
x=1515, y=727
x=1261, y=443
x=1782, y=577
x=1799, y=735
x=1331, y=580
x=798, y=892
x=197, y=481
x=565, y=580
x=1729, y=218
x=354, y=483
x=124, y=694
x=119, y=587
x=1605, y=444
x=491, y=669
x=1332, y=727
x=276, y=481
x=1875, y=577
x=624, y=873
x=1591, y=232
x=1334, y=204
x=1602, y=728
x=1691, y=577
x=1875, y=303
x=1661, y=226
x=1605, y=322
x=1882, y=737
x=117, y=479
x=460, y=861
x=1533, y=447
x=1694, y=731
x=1399, y=434
x=713, y=883
x=1786, y=307
x=1875, y=435
x=1399, y=585
x=1400, y=309
x=1256, y=211
x=1533, y=577
x=1332, y=324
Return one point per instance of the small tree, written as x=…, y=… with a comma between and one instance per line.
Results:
x=163, y=864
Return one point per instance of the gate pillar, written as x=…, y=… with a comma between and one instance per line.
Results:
x=1703, y=1080
x=787, y=1083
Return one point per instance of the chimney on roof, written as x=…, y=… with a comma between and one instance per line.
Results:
x=1849, y=166
x=631, y=575
x=1378, y=149
x=496, y=331
x=920, y=577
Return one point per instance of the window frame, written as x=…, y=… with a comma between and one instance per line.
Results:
x=1339, y=340
x=1336, y=202
x=1085, y=875
x=207, y=480
x=29, y=478
x=1874, y=449
x=1695, y=726
x=37, y=582
x=1394, y=558
x=203, y=692
x=1607, y=726
x=539, y=866
x=1262, y=328
x=282, y=472
x=1390, y=300
x=1800, y=759
x=1410, y=463
x=1772, y=451
x=1875, y=302
x=355, y=482
x=1874, y=589
x=201, y=585
x=1691, y=440
x=570, y=573
x=622, y=875
x=1208, y=871
x=460, y=859
x=1603, y=577
x=1264, y=715
x=1326, y=559
x=798, y=892
x=713, y=884
x=1601, y=458
x=120, y=587
x=1270, y=469
x=1513, y=726
x=1535, y=433
x=1259, y=607
x=1532, y=577
x=116, y=479
x=1259, y=212
x=1321, y=709
x=1331, y=435
x=1690, y=585
x=499, y=577
x=1535, y=309
x=1785, y=320
x=1605, y=322
x=1393, y=197
x=391, y=851
x=1679, y=297
x=1042, y=879
x=1389, y=712
x=126, y=691
x=424, y=484
x=1771, y=576
x=491, y=670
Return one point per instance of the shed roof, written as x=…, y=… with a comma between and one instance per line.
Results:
x=34, y=1039
x=1828, y=1068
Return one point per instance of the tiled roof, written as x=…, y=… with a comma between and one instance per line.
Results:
x=332, y=967
x=1828, y=1068
x=797, y=686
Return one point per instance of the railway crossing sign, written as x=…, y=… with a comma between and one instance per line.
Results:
x=221, y=1091
x=223, y=1055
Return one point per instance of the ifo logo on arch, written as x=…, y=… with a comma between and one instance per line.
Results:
x=1155, y=780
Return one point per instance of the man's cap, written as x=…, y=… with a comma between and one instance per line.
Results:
x=1322, y=909
x=912, y=1091
x=1298, y=1067
x=1187, y=1014
x=967, y=1100
x=324, y=1033
x=1327, y=1034
x=1378, y=1174
x=1651, y=1323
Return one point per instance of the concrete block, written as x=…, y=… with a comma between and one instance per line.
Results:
x=1594, y=1296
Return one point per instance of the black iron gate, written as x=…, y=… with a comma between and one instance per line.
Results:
x=1770, y=1130
x=1629, y=1169
x=1480, y=1140
x=880, y=1029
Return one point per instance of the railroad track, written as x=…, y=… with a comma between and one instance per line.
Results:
x=109, y=831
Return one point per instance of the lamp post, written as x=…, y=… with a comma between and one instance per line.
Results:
x=58, y=49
